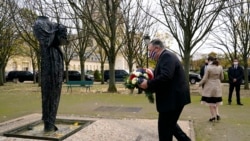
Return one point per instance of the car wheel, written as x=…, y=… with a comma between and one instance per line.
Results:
x=192, y=80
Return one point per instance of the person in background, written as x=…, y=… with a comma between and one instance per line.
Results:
x=235, y=75
x=208, y=61
x=203, y=68
x=171, y=91
x=212, y=90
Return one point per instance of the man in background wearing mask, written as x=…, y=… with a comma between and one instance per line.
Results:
x=235, y=75
x=171, y=91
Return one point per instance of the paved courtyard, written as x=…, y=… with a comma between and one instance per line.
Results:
x=102, y=129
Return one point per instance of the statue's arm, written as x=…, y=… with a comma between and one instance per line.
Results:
x=44, y=32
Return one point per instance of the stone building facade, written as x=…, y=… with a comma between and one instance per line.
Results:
x=92, y=64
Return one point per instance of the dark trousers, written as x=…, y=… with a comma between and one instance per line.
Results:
x=167, y=126
x=139, y=90
x=231, y=89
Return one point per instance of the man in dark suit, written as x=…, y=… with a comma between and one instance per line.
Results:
x=208, y=61
x=203, y=68
x=171, y=91
x=235, y=75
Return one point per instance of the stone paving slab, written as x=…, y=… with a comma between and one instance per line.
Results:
x=102, y=129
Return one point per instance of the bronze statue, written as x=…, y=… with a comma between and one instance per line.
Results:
x=50, y=36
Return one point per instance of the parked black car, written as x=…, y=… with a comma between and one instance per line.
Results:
x=194, y=77
x=120, y=75
x=76, y=75
x=21, y=76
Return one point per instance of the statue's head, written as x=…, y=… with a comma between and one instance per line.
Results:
x=61, y=34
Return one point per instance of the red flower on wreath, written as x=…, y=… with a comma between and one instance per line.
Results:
x=136, y=78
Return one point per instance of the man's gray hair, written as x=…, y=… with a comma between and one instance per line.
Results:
x=157, y=42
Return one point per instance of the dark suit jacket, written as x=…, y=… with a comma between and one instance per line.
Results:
x=169, y=83
x=235, y=73
x=202, y=71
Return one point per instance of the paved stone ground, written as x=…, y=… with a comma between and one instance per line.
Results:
x=102, y=129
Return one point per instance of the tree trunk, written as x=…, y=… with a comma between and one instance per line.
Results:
x=2, y=76
x=66, y=73
x=246, y=85
x=102, y=72
x=82, y=62
x=186, y=62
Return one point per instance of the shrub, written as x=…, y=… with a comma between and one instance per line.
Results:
x=97, y=75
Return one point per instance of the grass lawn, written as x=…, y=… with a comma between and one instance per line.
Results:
x=25, y=98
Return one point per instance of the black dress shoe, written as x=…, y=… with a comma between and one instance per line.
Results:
x=218, y=117
x=229, y=103
x=240, y=104
x=212, y=119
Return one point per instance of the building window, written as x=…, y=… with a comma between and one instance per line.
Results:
x=25, y=66
x=14, y=66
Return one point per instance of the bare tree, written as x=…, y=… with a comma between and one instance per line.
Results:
x=106, y=19
x=244, y=36
x=236, y=33
x=189, y=22
x=136, y=24
x=69, y=52
x=8, y=37
x=83, y=41
x=24, y=17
